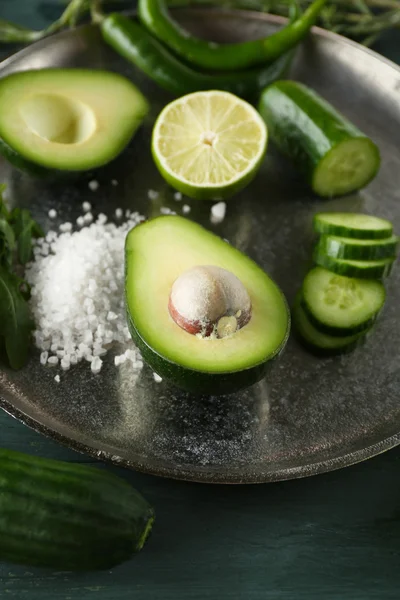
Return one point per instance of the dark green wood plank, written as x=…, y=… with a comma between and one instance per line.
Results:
x=331, y=537
x=15, y=436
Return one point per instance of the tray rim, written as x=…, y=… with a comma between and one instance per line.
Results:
x=282, y=474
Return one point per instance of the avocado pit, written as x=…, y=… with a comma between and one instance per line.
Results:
x=207, y=299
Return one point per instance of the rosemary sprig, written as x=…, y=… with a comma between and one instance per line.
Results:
x=363, y=20
x=14, y=33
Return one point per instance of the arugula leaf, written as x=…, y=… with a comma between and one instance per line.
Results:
x=7, y=232
x=17, y=228
x=7, y=243
x=4, y=212
x=15, y=320
x=25, y=228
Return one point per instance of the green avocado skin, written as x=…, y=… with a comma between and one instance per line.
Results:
x=37, y=171
x=201, y=383
x=27, y=166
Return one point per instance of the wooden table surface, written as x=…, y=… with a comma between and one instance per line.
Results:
x=331, y=537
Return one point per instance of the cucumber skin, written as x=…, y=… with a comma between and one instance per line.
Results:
x=337, y=331
x=321, y=351
x=68, y=516
x=288, y=107
x=348, y=270
x=341, y=231
x=299, y=314
x=337, y=248
x=202, y=383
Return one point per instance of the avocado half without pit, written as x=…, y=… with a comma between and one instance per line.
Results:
x=205, y=316
x=67, y=119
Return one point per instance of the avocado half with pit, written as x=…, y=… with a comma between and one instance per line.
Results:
x=157, y=254
x=67, y=119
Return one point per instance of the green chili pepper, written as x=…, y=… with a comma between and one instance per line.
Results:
x=225, y=57
x=135, y=44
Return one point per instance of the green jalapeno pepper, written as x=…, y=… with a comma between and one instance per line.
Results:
x=135, y=44
x=225, y=57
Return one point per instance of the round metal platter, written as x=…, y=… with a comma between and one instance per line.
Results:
x=312, y=415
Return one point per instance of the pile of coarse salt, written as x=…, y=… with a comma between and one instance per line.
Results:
x=77, y=293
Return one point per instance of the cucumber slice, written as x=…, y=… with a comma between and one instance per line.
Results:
x=318, y=342
x=364, y=269
x=347, y=167
x=353, y=225
x=339, y=305
x=334, y=155
x=351, y=249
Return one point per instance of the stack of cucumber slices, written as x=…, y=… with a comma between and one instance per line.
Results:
x=343, y=295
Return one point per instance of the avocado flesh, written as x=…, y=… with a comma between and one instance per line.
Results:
x=160, y=250
x=68, y=119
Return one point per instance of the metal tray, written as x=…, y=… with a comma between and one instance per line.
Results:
x=312, y=415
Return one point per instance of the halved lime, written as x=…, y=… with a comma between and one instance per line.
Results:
x=209, y=145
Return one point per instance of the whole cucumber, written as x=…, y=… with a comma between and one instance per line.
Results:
x=68, y=516
x=335, y=157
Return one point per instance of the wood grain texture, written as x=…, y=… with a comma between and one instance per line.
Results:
x=332, y=537
x=335, y=536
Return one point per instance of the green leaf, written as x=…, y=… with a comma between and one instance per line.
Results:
x=6, y=231
x=25, y=228
x=7, y=243
x=37, y=231
x=4, y=212
x=15, y=320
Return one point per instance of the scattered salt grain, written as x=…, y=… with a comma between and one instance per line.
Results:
x=99, y=351
x=57, y=379
x=164, y=210
x=102, y=219
x=43, y=357
x=52, y=213
x=186, y=209
x=80, y=221
x=119, y=360
x=130, y=355
x=152, y=194
x=119, y=213
x=96, y=364
x=53, y=361
x=178, y=196
x=218, y=212
x=157, y=378
x=50, y=237
x=86, y=207
x=114, y=182
x=65, y=227
x=88, y=218
x=93, y=185
x=65, y=363
x=127, y=213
